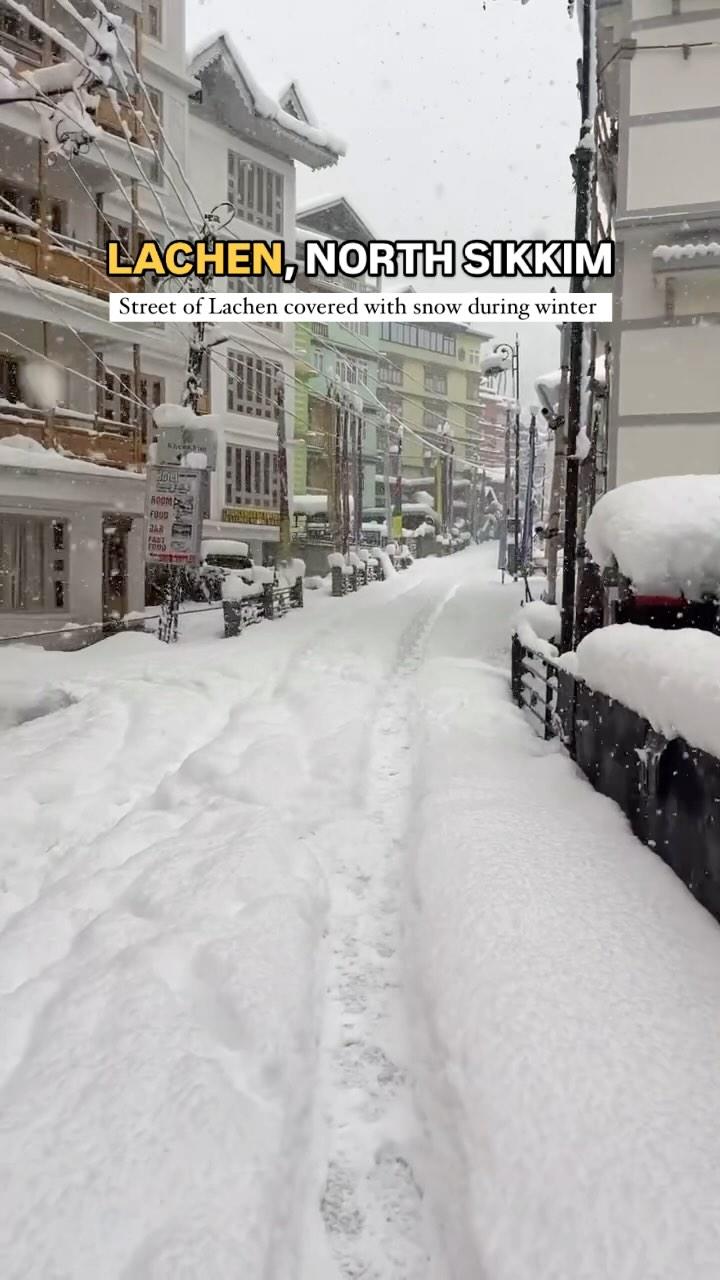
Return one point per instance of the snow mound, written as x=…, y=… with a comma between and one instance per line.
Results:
x=664, y=534
x=536, y=625
x=672, y=678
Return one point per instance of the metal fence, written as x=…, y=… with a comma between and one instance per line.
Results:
x=668, y=789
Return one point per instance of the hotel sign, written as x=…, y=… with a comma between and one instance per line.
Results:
x=250, y=515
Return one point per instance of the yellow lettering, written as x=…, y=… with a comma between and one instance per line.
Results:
x=149, y=259
x=238, y=260
x=114, y=265
x=179, y=249
x=206, y=258
x=268, y=256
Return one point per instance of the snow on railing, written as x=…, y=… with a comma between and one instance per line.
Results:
x=671, y=678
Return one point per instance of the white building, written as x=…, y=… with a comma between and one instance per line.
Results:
x=243, y=148
x=202, y=134
x=71, y=545
x=661, y=82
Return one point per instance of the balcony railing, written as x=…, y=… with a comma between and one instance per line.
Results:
x=86, y=436
x=79, y=266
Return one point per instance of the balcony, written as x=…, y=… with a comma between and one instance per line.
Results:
x=91, y=438
x=79, y=266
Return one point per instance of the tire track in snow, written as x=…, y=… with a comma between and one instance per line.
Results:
x=373, y=1204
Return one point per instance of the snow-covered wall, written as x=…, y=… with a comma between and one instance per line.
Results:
x=672, y=678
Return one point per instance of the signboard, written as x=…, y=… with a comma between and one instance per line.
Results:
x=175, y=443
x=397, y=526
x=250, y=515
x=173, y=516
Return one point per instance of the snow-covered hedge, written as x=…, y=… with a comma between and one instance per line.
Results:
x=672, y=678
x=663, y=533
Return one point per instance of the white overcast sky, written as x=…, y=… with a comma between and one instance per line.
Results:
x=459, y=116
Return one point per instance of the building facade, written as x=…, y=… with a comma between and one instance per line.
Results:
x=177, y=139
x=343, y=355
x=660, y=184
x=243, y=152
x=431, y=375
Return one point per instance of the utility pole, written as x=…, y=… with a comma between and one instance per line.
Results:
x=505, y=528
x=199, y=347
x=398, y=492
x=345, y=477
x=558, y=425
x=283, y=481
x=582, y=168
x=388, y=487
x=360, y=494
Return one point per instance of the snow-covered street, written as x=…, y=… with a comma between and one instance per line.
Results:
x=316, y=963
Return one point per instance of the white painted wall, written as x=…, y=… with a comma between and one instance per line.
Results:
x=670, y=450
x=672, y=164
x=670, y=371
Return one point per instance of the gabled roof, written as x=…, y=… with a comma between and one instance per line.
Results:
x=246, y=109
x=335, y=217
x=292, y=100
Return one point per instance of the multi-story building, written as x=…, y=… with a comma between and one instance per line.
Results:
x=345, y=355
x=658, y=181
x=243, y=152
x=431, y=375
x=175, y=141
x=68, y=379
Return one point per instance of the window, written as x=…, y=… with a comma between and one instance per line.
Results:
x=392, y=373
x=27, y=204
x=117, y=400
x=413, y=335
x=152, y=393
x=256, y=194
x=435, y=380
x=9, y=378
x=434, y=415
x=17, y=29
x=352, y=372
x=152, y=19
x=394, y=406
x=33, y=564
x=361, y=328
x=251, y=477
x=322, y=330
x=319, y=361
x=252, y=385
x=475, y=358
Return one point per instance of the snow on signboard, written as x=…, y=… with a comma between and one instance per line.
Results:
x=173, y=516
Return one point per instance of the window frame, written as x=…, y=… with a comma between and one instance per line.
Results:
x=53, y=572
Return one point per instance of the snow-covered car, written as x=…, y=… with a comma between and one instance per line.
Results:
x=220, y=559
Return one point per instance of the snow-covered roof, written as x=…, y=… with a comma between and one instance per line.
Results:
x=335, y=208
x=664, y=534
x=220, y=48
x=699, y=254
x=293, y=100
x=21, y=452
